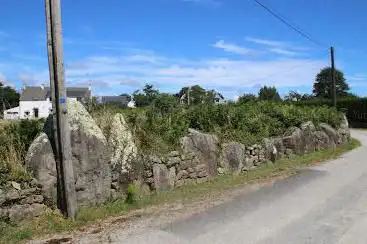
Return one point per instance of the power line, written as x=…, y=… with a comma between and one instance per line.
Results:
x=287, y=23
x=288, y=70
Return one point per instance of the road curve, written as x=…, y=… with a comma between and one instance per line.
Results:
x=324, y=204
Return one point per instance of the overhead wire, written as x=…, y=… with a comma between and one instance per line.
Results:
x=287, y=23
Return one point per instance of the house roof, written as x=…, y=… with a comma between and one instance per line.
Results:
x=37, y=93
x=115, y=99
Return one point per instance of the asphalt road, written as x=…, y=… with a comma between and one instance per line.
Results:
x=324, y=204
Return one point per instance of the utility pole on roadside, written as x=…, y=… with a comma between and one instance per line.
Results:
x=188, y=95
x=333, y=76
x=63, y=156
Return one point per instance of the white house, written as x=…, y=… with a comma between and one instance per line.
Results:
x=35, y=102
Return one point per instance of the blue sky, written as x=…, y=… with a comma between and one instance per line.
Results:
x=233, y=46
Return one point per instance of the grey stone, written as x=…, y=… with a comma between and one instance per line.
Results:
x=91, y=157
x=29, y=191
x=232, y=157
x=121, y=141
x=308, y=128
x=149, y=180
x=32, y=199
x=173, y=161
x=330, y=131
x=172, y=177
x=293, y=139
x=205, y=146
x=16, y=185
x=24, y=212
x=40, y=161
x=322, y=141
x=202, y=174
x=184, y=165
x=201, y=168
x=248, y=163
x=115, y=186
x=183, y=174
x=221, y=171
x=193, y=175
x=161, y=177
x=173, y=154
x=148, y=173
x=155, y=159
x=2, y=197
x=12, y=195
x=190, y=170
x=343, y=131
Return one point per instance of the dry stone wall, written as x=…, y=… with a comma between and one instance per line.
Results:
x=104, y=168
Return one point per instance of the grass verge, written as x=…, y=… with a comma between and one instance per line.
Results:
x=53, y=222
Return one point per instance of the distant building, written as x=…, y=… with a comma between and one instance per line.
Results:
x=36, y=101
x=123, y=101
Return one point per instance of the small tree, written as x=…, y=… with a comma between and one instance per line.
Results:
x=245, y=98
x=269, y=94
x=9, y=97
x=146, y=97
x=323, y=85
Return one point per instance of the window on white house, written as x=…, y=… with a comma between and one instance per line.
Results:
x=36, y=112
x=26, y=113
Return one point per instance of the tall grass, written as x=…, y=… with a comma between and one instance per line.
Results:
x=15, y=138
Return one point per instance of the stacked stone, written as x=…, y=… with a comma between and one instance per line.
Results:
x=20, y=201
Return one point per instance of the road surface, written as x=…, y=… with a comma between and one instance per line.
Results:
x=324, y=204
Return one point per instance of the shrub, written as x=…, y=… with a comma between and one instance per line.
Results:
x=131, y=194
x=15, y=139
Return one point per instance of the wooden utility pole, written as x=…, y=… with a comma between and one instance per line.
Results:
x=333, y=76
x=65, y=171
x=188, y=95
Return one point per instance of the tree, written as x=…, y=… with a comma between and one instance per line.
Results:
x=127, y=96
x=165, y=103
x=269, y=94
x=246, y=98
x=9, y=97
x=323, y=85
x=293, y=96
x=146, y=97
x=196, y=94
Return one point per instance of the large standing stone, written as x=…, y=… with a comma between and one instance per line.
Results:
x=205, y=146
x=124, y=150
x=308, y=128
x=293, y=139
x=330, y=131
x=90, y=157
x=322, y=141
x=41, y=161
x=343, y=131
x=161, y=177
x=233, y=157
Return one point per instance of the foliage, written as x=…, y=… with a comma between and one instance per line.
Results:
x=131, y=194
x=322, y=87
x=199, y=95
x=355, y=108
x=9, y=97
x=293, y=96
x=245, y=98
x=15, y=139
x=158, y=128
x=145, y=97
x=268, y=93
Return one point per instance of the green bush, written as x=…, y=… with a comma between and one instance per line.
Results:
x=159, y=130
x=131, y=194
x=15, y=139
x=355, y=108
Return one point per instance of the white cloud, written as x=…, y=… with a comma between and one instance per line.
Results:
x=279, y=47
x=118, y=73
x=266, y=42
x=282, y=51
x=232, y=48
